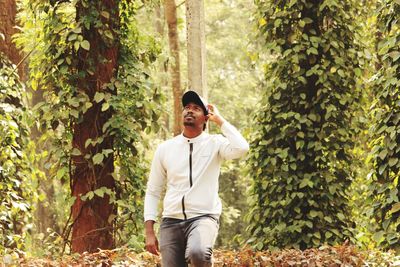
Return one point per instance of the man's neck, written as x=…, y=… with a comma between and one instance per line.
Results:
x=190, y=132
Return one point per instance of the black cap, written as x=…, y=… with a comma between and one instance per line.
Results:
x=193, y=97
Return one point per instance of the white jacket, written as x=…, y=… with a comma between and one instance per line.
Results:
x=190, y=167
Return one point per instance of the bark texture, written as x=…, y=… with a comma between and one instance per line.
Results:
x=173, y=38
x=8, y=11
x=93, y=219
x=196, y=42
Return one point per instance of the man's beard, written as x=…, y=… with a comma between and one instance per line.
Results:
x=188, y=123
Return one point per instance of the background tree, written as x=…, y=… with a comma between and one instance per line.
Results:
x=99, y=102
x=8, y=27
x=97, y=61
x=233, y=78
x=386, y=128
x=196, y=46
x=173, y=37
x=302, y=139
x=17, y=172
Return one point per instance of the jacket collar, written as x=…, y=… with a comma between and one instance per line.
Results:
x=196, y=139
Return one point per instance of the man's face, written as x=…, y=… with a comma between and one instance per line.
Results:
x=193, y=115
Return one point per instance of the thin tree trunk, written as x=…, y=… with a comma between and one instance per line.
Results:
x=173, y=37
x=8, y=11
x=93, y=219
x=158, y=22
x=196, y=46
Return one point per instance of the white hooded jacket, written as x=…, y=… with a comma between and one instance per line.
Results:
x=190, y=167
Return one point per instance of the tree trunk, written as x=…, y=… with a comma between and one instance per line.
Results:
x=8, y=11
x=93, y=218
x=8, y=23
x=173, y=38
x=159, y=24
x=196, y=46
x=158, y=20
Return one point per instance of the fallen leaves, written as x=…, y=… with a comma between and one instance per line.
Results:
x=325, y=256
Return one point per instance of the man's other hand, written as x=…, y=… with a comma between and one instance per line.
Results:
x=151, y=239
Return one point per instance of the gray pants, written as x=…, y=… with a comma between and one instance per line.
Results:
x=188, y=241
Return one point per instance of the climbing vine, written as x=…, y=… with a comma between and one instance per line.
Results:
x=301, y=147
x=66, y=64
x=385, y=130
x=17, y=172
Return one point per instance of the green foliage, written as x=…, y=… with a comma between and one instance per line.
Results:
x=17, y=174
x=303, y=133
x=64, y=65
x=137, y=116
x=385, y=131
x=231, y=75
x=231, y=83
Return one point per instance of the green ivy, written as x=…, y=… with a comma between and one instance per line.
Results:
x=304, y=128
x=385, y=131
x=133, y=99
x=17, y=173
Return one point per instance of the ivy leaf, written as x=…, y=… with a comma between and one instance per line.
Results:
x=88, y=142
x=76, y=45
x=76, y=152
x=72, y=37
x=100, y=192
x=312, y=117
x=306, y=182
x=85, y=45
x=77, y=30
x=378, y=236
x=383, y=154
x=312, y=50
x=262, y=22
x=395, y=208
x=105, y=106
x=277, y=22
x=90, y=195
x=98, y=158
x=313, y=213
x=98, y=97
x=382, y=168
x=105, y=14
x=291, y=3
x=61, y=172
x=393, y=161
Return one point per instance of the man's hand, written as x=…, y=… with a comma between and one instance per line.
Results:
x=151, y=239
x=213, y=115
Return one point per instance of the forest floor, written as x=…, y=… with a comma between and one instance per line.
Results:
x=343, y=255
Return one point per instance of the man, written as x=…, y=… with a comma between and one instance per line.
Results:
x=189, y=164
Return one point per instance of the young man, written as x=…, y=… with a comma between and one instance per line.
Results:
x=189, y=164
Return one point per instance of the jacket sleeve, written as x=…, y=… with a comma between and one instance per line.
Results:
x=233, y=144
x=155, y=186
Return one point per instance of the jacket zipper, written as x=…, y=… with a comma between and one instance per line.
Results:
x=190, y=179
x=190, y=164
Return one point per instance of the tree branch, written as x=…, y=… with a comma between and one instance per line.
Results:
x=181, y=3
